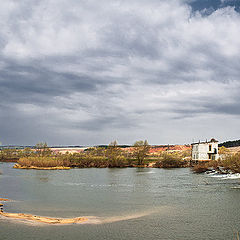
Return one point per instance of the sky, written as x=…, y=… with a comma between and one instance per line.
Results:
x=88, y=72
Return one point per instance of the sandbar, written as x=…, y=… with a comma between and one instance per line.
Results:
x=41, y=168
x=41, y=219
x=4, y=200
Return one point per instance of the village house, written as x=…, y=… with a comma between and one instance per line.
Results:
x=205, y=151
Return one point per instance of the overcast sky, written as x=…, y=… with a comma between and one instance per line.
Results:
x=88, y=72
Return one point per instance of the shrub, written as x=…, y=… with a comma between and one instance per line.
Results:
x=43, y=162
x=170, y=160
x=232, y=162
x=200, y=168
x=119, y=161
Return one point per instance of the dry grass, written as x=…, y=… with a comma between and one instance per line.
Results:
x=171, y=160
x=200, y=167
x=232, y=162
x=43, y=162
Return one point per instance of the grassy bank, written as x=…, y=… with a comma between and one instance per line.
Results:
x=43, y=162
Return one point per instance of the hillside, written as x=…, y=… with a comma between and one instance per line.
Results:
x=229, y=144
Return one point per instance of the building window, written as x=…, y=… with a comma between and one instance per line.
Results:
x=210, y=148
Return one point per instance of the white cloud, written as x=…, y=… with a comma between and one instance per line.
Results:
x=109, y=65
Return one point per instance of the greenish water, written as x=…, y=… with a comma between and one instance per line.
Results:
x=131, y=203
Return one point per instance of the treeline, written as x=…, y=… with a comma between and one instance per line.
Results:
x=13, y=154
x=102, y=156
x=228, y=144
x=10, y=155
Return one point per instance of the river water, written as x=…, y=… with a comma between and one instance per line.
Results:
x=130, y=203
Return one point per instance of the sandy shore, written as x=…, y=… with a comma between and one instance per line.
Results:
x=78, y=220
x=4, y=200
x=30, y=218
x=40, y=168
x=40, y=219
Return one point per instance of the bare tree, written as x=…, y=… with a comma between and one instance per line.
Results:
x=42, y=149
x=113, y=154
x=141, y=149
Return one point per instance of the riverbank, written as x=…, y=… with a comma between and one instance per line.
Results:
x=112, y=156
x=18, y=166
x=150, y=165
x=64, y=162
x=230, y=163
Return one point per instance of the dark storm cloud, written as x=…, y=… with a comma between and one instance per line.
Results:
x=21, y=83
x=97, y=124
x=232, y=108
x=69, y=69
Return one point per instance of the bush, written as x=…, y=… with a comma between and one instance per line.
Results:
x=43, y=162
x=232, y=162
x=170, y=160
x=200, y=168
x=207, y=165
x=9, y=155
x=119, y=161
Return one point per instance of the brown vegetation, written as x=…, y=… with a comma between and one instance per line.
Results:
x=232, y=162
x=9, y=155
x=228, y=163
x=41, y=168
x=200, y=167
x=141, y=150
x=171, y=160
x=44, y=162
x=41, y=157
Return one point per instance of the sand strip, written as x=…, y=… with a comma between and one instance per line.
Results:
x=4, y=200
x=87, y=220
x=40, y=219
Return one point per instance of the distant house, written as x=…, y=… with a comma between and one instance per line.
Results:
x=203, y=151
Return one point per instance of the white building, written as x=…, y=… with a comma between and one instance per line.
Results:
x=205, y=150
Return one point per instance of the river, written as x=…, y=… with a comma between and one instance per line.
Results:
x=130, y=203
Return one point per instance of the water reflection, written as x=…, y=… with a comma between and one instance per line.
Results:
x=42, y=176
x=143, y=170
